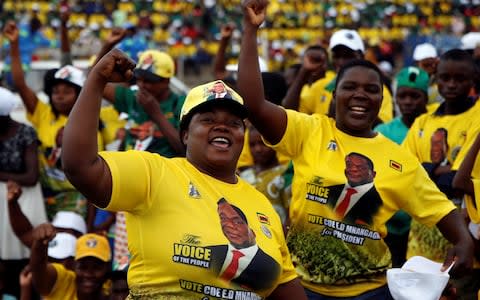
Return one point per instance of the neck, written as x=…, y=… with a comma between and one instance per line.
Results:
x=223, y=173
x=163, y=96
x=97, y=295
x=455, y=107
x=408, y=120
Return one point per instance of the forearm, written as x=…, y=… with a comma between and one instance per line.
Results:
x=41, y=273
x=25, y=179
x=17, y=71
x=292, y=98
x=169, y=132
x=454, y=229
x=462, y=180
x=220, y=62
x=21, y=226
x=64, y=40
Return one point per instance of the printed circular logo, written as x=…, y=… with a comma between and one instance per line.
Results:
x=52, y=243
x=91, y=243
x=266, y=231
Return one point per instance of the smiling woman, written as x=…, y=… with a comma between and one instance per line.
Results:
x=183, y=200
x=348, y=180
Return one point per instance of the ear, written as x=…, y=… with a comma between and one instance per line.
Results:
x=184, y=135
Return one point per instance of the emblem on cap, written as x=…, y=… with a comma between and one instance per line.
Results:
x=91, y=243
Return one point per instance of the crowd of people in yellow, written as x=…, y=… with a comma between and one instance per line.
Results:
x=308, y=182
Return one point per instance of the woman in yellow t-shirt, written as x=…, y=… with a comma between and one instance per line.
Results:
x=195, y=229
x=348, y=181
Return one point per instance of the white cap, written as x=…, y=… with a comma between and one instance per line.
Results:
x=70, y=220
x=385, y=66
x=419, y=278
x=71, y=74
x=470, y=40
x=348, y=38
x=7, y=102
x=424, y=51
x=62, y=246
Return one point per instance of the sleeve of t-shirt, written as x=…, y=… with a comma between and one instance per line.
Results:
x=39, y=115
x=473, y=203
x=386, y=109
x=122, y=97
x=471, y=136
x=299, y=127
x=410, y=141
x=64, y=286
x=131, y=173
x=425, y=202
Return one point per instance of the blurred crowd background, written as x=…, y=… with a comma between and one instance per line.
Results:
x=190, y=30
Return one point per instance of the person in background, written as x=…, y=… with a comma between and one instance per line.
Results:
x=435, y=139
x=157, y=192
x=18, y=170
x=333, y=261
x=153, y=108
x=133, y=43
x=266, y=173
x=85, y=282
x=411, y=95
x=426, y=58
x=347, y=45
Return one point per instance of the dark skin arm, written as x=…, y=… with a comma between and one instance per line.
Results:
x=309, y=66
x=152, y=108
x=290, y=290
x=44, y=274
x=454, y=229
x=28, y=96
x=220, y=60
x=462, y=180
x=30, y=176
x=115, y=36
x=64, y=40
x=21, y=226
x=85, y=169
x=262, y=113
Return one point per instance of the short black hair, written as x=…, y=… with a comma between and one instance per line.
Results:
x=238, y=210
x=274, y=87
x=459, y=55
x=358, y=63
x=369, y=161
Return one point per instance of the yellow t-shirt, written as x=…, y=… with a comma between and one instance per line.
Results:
x=65, y=286
x=346, y=256
x=174, y=232
x=425, y=132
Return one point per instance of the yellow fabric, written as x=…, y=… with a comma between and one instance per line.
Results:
x=112, y=122
x=334, y=256
x=246, y=158
x=429, y=242
x=315, y=99
x=64, y=287
x=172, y=224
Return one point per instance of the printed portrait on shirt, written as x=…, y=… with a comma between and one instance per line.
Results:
x=241, y=261
x=357, y=201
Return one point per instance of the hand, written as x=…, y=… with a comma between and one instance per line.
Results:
x=10, y=31
x=462, y=255
x=254, y=11
x=227, y=30
x=116, y=35
x=148, y=102
x=43, y=234
x=26, y=277
x=14, y=191
x=312, y=62
x=64, y=15
x=115, y=66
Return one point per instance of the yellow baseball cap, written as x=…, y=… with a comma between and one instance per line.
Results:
x=94, y=245
x=154, y=62
x=212, y=93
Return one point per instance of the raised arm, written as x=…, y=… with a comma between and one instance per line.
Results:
x=85, y=169
x=65, y=49
x=220, y=61
x=44, y=275
x=310, y=65
x=268, y=118
x=20, y=224
x=454, y=229
x=463, y=178
x=115, y=36
x=28, y=96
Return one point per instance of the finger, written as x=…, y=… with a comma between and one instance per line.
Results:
x=448, y=260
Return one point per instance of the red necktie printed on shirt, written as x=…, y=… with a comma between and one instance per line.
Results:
x=342, y=207
x=232, y=268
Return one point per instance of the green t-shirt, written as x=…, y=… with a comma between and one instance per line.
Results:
x=138, y=119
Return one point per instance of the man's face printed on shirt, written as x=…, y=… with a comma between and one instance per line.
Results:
x=234, y=227
x=358, y=171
